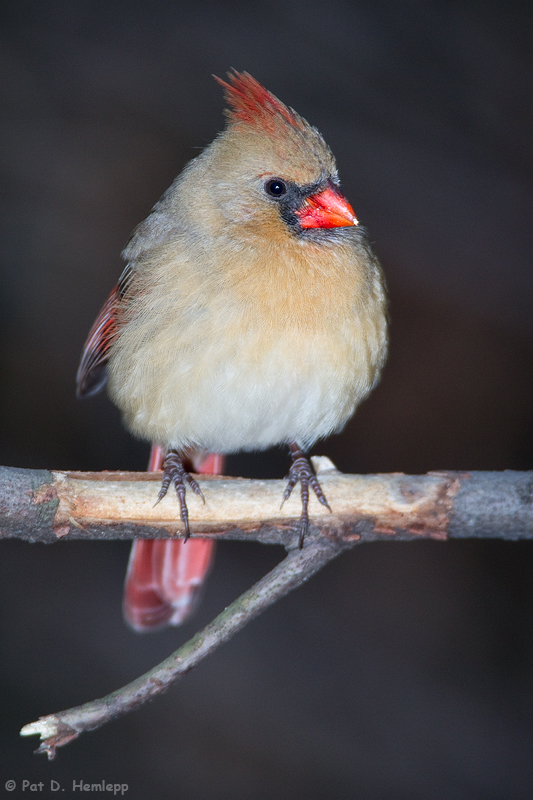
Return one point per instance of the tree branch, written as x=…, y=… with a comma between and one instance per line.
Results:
x=38, y=505
x=59, y=729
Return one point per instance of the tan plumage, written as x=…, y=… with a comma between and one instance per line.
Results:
x=239, y=330
x=251, y=313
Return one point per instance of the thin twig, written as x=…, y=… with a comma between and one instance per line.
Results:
x=58, y=729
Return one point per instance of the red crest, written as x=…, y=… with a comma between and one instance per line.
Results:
x=250, y=102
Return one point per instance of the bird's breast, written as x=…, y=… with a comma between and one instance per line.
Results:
x=273, y=352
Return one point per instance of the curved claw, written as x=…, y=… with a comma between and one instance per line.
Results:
x=194, y=486
x=302, y=471
x=174, y=472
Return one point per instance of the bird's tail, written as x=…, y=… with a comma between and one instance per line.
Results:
x=165, y=576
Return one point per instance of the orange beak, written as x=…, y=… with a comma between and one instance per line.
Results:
x=327, y=209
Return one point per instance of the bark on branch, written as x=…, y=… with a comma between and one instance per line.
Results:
x=38, y=505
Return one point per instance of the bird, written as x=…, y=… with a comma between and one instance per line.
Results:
x=251, y=313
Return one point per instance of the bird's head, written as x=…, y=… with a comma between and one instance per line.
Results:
x=270, y=172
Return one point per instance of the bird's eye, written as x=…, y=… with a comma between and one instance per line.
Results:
x=275, y=187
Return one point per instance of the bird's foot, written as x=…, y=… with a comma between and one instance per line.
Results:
x=174, y=472
x=302, y=471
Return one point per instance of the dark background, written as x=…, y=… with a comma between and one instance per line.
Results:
x=402, y=671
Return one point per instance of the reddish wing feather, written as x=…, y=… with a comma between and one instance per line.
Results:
x=92, y=373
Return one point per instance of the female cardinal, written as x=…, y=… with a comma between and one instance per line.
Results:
x=251, y=313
